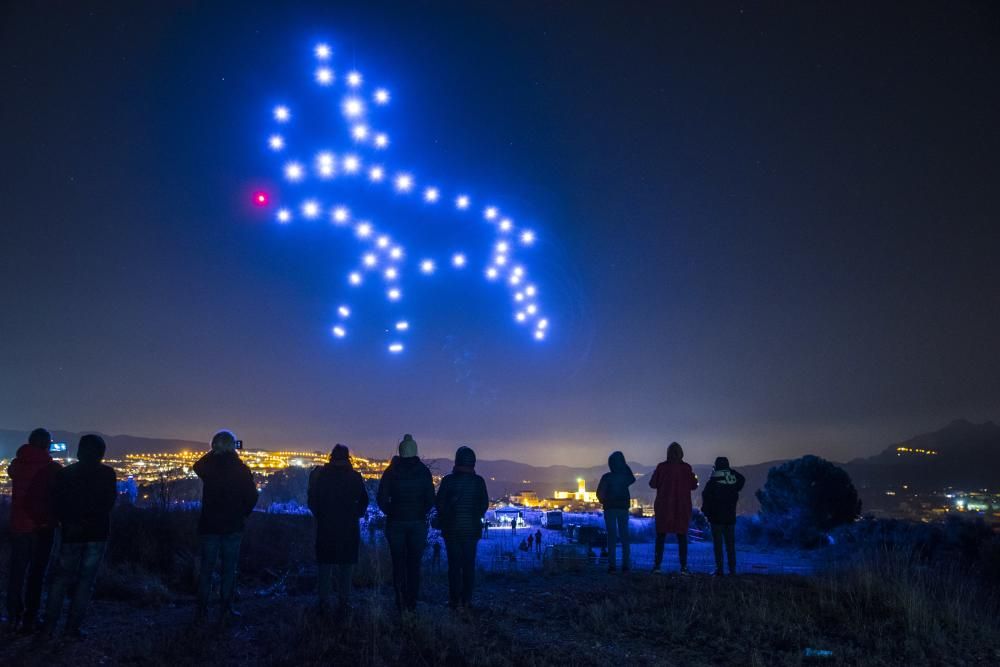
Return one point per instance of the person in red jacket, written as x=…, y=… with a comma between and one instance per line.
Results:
x=32, y=526
x=674, y=481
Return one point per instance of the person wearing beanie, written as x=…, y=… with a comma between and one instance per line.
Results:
x=82, y=498
x=718, y=502
x=338, y=500
x=228, y=497
x=461, y=503
x=32, y=528
x=674, y=480
x=405, y=495
x=615, y=499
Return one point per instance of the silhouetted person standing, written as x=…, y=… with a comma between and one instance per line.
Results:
x=614, y=495
x=674, y=481
x=461, y=503
x=338, y=499
x=405, y=496
x=538, y=542
x=83, y=495
x=718, y=502
x=227, y=499
x=32, y=525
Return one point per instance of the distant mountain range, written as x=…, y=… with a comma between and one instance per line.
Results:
x=960, y=455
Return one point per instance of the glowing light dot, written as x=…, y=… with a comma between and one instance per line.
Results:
x=276, y=142
x=391, y=273
x=382, y=242
x=431, y=195
x=527, y=237
x=359, y=132
x=284, y=215
x=515, y=279
x=490, y=213
x=402, y=325
x=353, y=107
x=462, y=201
x=354, y=79
x=344, y=311
x=503, y=247
x=396, y=348
x=492, y=273
x=325, y=164
x=518, y=271
x=370, y=260
x=404, y=182
x=381, y=96
x=341, y=215
x=458, y=260
x=540, y=334
x=381, y=140
x=282, y=114
x=394, y=294
x=531, y=309
x=260, y=198
x=376, y=174
x=339, y=331
x=351, y=164
x=324, y=76
x=506, y=225
x=520, y=316
x=543, y=324
x=530, y=290
x=322, y=51
x=427, y=266
x=396, y=253
x=354, y=278
x=500, y=260
x=363, y=230
x=519, y=296
x=294, y=172
x=310, y=208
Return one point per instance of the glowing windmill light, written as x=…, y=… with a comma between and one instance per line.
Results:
x=404, y=182
x=354, y=278
x=294, y=172
x=458, y=260
x=310, y=209
x=341, y=215
x=381, y=140
x=462, y=201
x=353, y=107
x=324, y=76
x=344, y=311
x=396, y=348
x=282, y=114
x=354, y=79
x=402, y=325
x=427, y=266
x=284, y=216
x=431, y=195
x=351, y=164
x=381, y=96
x=322, y=51
x=276, y=142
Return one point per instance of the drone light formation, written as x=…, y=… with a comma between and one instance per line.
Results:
x=378, y=249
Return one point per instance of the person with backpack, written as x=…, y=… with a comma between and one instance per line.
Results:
x=405, y=495
x=613, y=493
x=338, y=500
x=83, y=495
x=718, y=502
x=674, y=480
x=462, y=501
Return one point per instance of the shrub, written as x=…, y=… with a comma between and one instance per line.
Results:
x=804, y=498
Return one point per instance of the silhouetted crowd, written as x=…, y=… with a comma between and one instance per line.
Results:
x=76, y=500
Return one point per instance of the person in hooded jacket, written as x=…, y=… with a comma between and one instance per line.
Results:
x=338, y=499
x=612, y=492
x=83, y=495
x=718, y=502
x=462, y=501
x=405, y=495
x=674, y=480
x=32, y=527
x=228, y=497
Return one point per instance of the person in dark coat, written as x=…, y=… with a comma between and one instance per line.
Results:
x=405, y=495
x=461, y=503
x=83, y=495
x=538, y=542
x=613, y=493
x=674, y=481
x=338, y=499
x=32, y=527
x=228, y=497
x=718, y=502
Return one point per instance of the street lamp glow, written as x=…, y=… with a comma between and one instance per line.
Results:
x=396, y=348
x=351, y=164
x=324, y=76
x=354, y=79
x=276, y=142
x=341, y=215
x=344, y=311
x=359, y=132
x=354, y=278
x=376, y=174
x=339, y=331
x=381, y=96
x=427, y=266
x=284, y=215
x=402, y=325
x=458, y=260
x=310, y=209
x=431, y=195
x=353, y=107
x=322, y=51
x=490, y=212
x=363, y=230
x=282, y=114
x=404, y=182
x=294, y=171
x=527, y=237
x=381, y=140
x=462, y=202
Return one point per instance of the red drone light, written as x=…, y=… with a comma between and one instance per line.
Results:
x=260, y=198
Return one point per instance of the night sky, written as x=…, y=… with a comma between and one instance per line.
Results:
x=762, y=232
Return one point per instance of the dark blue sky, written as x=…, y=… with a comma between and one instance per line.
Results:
x=762, y=232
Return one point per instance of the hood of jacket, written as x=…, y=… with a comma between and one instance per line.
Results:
x=616, y=463
x=33, y=456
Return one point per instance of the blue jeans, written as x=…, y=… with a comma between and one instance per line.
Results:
x=213, y=546
x=75, y=570
x=461, y=568
x=407, y=540
x=616, y=523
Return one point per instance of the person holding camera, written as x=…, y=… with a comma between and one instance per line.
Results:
x=228, y=497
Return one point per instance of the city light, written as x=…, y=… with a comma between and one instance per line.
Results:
x=282, y=114
x=276, y=142
x=431, y=195
x=294, y=171
x=324, y=76
x=381, y=96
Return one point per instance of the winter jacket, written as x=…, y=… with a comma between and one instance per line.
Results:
x=461, y=502
x=674, y=482
x=82, y=497
x=32, y=474
x=612, y=490
x=406, y=490
x=338, y=499
x=718, y=500
x=228, y=493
